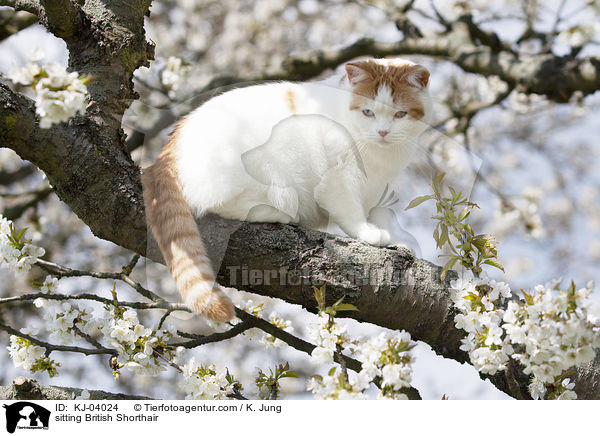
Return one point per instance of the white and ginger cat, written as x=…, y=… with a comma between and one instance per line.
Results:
x=303, y=153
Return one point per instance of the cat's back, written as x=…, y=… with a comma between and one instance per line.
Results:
x=247, y=113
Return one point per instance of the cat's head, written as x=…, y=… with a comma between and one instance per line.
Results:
x=389, y=101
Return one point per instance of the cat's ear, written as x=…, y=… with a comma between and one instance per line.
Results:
x=357, y=72
x=418, y=76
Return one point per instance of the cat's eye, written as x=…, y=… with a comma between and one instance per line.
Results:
x=368, y=113
x=399, y=114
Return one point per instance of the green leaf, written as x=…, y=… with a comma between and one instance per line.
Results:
x=320, y=296
x=437, y=182
x=20, y=234
x=292, y=374
x=346, y=307
x=453, y=193
x=471, y=297
x=337, y=303
x=495, y=263
x=416, y=201
x=465, y=213
x=443, y=235
x=528, y=298
x=447, y=267
x=469, y=229
x=329, y=311
x=331, y=372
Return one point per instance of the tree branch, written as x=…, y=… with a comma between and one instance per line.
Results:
x=29, y=389
x=62, y=271
x=55, y=347
x=62, y=17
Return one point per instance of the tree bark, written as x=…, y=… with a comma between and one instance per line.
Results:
x=29, y=389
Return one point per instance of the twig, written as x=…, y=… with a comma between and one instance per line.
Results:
x=291, y=340
x=87, y=337
x=161, y=304
x=342, y=360
x=62, y=271
x=215, y=337
x=6, y=178
x=169, y=361
x=132, y=263
x=51, y=347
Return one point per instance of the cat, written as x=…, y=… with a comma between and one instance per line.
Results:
x=301, y=153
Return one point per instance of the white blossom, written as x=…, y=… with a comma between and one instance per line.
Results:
x=271, y=341
x=28, y=356
x=175, y=76
x=548, y=332
x=332, y=387
x=50, y=285
x=578, y=35
x=321, y=355
x=553, y=331
x=59, y=95
x=204, y=382
x=17, y=253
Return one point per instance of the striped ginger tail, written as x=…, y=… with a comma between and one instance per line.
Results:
x=179, y=240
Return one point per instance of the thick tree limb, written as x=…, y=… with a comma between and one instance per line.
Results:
x=62, y=17
x=29, y=389
x=109, y=45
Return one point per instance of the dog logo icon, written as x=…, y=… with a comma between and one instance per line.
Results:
x=26, y=415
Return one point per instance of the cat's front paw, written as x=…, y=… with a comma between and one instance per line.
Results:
x=374, y=235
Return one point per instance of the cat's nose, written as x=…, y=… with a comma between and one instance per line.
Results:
x=383, y=132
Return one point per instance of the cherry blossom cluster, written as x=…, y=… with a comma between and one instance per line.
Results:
x=479, y=302
x=552, y=330
x=547, y=331
x=205, y=382
x=266, y=339
x=140, y=349
x=59, y=95
x=30, y=357
x=327, y=335
x=271, y=341
x=334, y=386
x=385, y=358
x=175, y=76
x=17, y=253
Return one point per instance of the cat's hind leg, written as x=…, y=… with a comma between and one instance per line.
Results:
x=264, y=213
